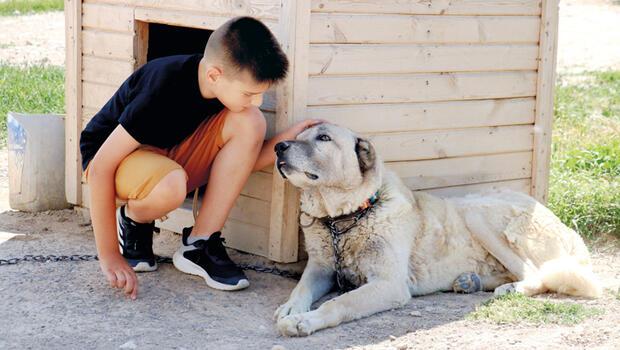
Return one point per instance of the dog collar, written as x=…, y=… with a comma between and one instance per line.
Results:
x=332, y=223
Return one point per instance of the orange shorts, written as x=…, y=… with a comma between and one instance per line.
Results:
x=144, y=168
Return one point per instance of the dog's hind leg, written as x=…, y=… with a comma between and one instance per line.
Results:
x=521, y=268
x=315, y=282
x=489, y=283
x=370, y=298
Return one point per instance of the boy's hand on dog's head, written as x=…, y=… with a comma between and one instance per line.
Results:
x=292, y=132
x=120, y=274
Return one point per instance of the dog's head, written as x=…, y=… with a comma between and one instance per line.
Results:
x=326, y=155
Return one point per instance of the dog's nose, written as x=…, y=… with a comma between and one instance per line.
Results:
x=281, y=147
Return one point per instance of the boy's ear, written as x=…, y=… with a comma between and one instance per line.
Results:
x=213, y=74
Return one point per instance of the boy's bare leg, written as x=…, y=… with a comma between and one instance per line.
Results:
x=243, y=134
x=166, y=196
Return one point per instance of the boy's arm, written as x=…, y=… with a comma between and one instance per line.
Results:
x=101, y=173
x=267, y=155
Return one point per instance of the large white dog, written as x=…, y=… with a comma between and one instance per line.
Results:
x=384, y=243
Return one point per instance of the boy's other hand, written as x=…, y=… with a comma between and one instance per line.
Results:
x=292, y=132
x=120, y=274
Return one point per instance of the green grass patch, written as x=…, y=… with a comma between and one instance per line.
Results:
x=21, y=7
x=517, y=308
x=585, y=161
x=30, y=89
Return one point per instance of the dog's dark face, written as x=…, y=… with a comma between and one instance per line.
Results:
x=325, y=155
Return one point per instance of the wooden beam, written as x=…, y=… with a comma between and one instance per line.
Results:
x=73, y=100
x=544, y=100
x=291, y=96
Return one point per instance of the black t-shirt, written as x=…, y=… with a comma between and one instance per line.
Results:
x=159, y=104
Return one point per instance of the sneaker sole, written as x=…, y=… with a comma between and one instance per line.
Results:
x=184, y=265
x=140, y=266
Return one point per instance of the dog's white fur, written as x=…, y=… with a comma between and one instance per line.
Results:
x=415, y=243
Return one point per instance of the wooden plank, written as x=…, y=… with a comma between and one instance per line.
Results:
x=106, y=71
x=426, y=174
x=262, y=9
x=365, y=118
x=522, y=185
x=372, y=59
x=417, y=145
x=434, y=7
x=73, y=100
x=251, y=211
x=259, y=186
x=140, y=44
x=239, y=235
x=401, y=88
x=291, y=95
x=107, y=44
x=544, y=101
x=108, y=17
x=96, y=95
x=349, y=28
x=190, y=19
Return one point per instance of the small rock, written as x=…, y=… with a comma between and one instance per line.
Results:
x=415, y=313
x=401, y=346
x=392, y=338
x=129, y=345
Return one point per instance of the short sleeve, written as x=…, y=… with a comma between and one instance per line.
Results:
x=135, y=117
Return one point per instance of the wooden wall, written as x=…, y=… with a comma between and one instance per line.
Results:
x=446, y=90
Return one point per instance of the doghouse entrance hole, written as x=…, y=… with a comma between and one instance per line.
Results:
x=160, y=40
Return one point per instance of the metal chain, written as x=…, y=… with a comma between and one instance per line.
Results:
x=160, y=260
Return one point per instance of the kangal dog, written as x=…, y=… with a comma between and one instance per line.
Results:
x=385, y=244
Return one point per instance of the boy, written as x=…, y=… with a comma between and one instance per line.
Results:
x=175, y=124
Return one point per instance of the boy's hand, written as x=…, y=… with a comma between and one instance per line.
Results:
x=120, y=274
x=292, y=132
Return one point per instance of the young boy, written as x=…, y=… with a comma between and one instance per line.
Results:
x=175, y=124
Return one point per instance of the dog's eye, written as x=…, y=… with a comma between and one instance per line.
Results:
x=323, y=137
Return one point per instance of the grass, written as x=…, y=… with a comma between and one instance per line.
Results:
x=517, y=308
x=30, y=89
x=585, y=162
x=20, y=7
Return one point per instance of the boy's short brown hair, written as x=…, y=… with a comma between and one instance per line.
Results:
x=246, y=44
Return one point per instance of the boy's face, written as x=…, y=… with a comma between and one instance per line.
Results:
x=240, y=91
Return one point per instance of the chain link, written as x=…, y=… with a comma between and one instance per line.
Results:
x=160, y=260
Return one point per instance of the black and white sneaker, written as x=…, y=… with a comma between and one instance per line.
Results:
x=135, y=241
x=209, y=260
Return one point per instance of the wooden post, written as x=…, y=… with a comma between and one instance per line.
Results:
x=544, y=100
x=73, y=100
x=291, y=107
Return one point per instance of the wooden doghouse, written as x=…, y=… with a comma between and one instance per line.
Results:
x=457, y=95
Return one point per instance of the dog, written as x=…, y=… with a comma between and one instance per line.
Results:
x=381, y=243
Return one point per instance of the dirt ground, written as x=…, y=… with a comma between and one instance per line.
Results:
x=69, y=305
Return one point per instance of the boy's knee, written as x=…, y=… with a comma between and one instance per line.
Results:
x=249, y=124
x=173, y=187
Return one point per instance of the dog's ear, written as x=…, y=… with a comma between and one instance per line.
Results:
x=365, y=154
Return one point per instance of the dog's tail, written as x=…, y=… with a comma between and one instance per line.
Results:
x=567, y=276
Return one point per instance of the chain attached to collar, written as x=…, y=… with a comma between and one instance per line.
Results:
x=344, y=285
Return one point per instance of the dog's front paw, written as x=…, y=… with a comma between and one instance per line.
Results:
x=295, y=326
x=290, y=308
